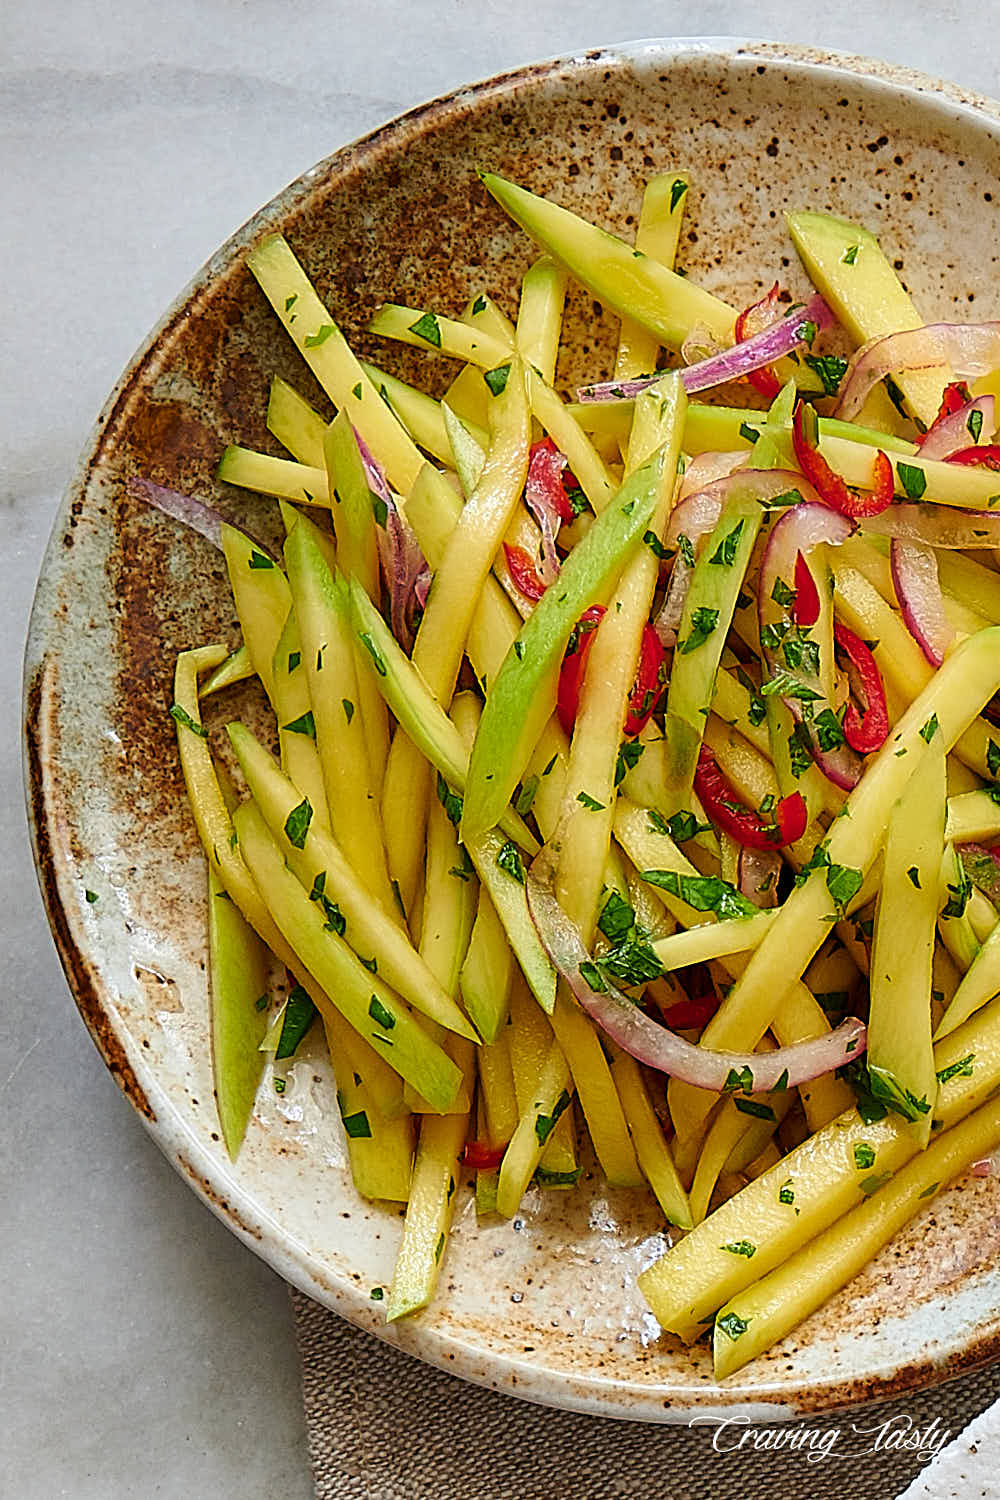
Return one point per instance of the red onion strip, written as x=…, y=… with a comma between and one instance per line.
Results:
x=938, y=526
x=194, y=514
x=404, y=566
x=664, y=1050
x=915, y=579
x=730, y=364
x=969, y=349
x=952, y=433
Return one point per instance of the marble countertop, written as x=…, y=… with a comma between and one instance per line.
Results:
x=146, y=1352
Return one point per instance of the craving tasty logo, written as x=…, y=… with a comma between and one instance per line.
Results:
x=894, y=1434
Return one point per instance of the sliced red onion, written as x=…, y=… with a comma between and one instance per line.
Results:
x=918, y=589
x=659, y=1048
x=938, y=526
x=194, y=514
x=797, y=532
x=538, y=500
x=705, y=468
x=699, y=345
x=404, y=566
x=970, y=350
x=730, y=364
x=757, y=874
x=987, y=1166
x=954, y=432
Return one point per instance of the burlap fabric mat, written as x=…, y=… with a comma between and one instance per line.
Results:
x=382, y=1426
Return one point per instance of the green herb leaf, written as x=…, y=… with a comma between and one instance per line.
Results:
x=545, y=1178
x=304, y=724
x=92, y=897
x=294, y=657
x=930, y=729
x=617, y=918
x=807, y=331
x=843, y=882
x=703, y=622
x=373, y=652
x=786, y=1193
x=686, y=548
x=589, y=802
x=850, y=255
x=335, y=919
x=831, y=370
x=591, y=974
x=683, y=826
x=913, y=875
x=526, y=796
x=545, y=1124
x=960, y=1069
x=725, y=553
x=450, y=801
x=348, y=708
x=703, y=892
x=655, y=546
x=380, y=1015
x=297, y=824
x=313, y=340
x=478, y=306
x=913, y=480
x=629, y=755
x=784, y=685
x=741, y=1247
x=974, y=422
x=738, y=1079
x=427, y=328
x=497, y=379
x=300, y=1012
x=732, y=1325
x=181, y=716
x=377, y=1293
x=756, y=1108
x=782, y=594
x=509, y=859
x=357, y=1126
x=748, y=433
x=864, y=1156
x=929, y=1191
x=631, y=962
x=677, y=190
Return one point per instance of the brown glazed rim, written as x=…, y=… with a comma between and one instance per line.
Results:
x=449, y=1351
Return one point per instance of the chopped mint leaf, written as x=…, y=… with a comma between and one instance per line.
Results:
x=703, y=622
x=864, y=1156
x=738, y=1079
x=786, y=1193
x=782, y=594
x=873, y=1184
x=300, y=1012
x=655, y=546
x=993, y=757
x=686, y=548
x=591, y=974
x=741, y=1247
x=497, y=379
x=313, y=340
x=373, y=652
x=335, y=919
x=913, y=480
x=929, y=1191
x=589, y=802
x=297, y=823
x=181, y=716
x=294, y=657
x=449, y=800
x=545, y=1124
x=786, y=686
x=304, y=724
x=703, y=892
x=974, y=423
x=677, y=190
x=356, y=391
x=357, y=1126
x=617, y=918
x=509, y=859
x=960, y=1069
x=831, y=370
x=807, y=331
x=629, y=755
x=632, y=962
x=348, y=708
x=380, y=1015
x=732, y=1325
x=478, y=306
x=913, y=875
x=748, y=433
x=929, y=730
x=92, y=897
x=371, y=964
x=291, y=301
x=828, y=730
x=725, y=553
x=427, y=328
x=756, y=1108
x=850, y=255
x=843, y=882
x=683, y=826
x=377, y=1293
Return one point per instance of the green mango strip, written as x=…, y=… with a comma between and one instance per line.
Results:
x=380, y=1151
x=420, y=414
x=238, y=975
x=262, y=597
x=523, y=696
x=324, y=871
x=417, y=709
x=296, y=722
x=625, y=280
x=360, y=996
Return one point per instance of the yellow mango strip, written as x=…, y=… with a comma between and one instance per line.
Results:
x=360, y=996
x=900, y=1060
x=757, y=1318
x=328, y=656
x=967, y=680
x=486, y=1177
x=539, y=316
x=733, y=703
x=449, y=910
x=720, y=1151
x=549, y=1099
x=321, y=866
x=490, y=353
x=903, y=666
x=973, y=817
x=238, y=985
x=280, y=477
x=221, y=846
x=296, y=722
x=650, y=1143
x=496, y=1083
x=529, y=1041
x=380, y=1151
x=262, y=597
x=297, y=425
x=237, y=667
x=872, y=562
x=823, y=1178
x=657, y=235
x=488, y=971
x=420, y=414
x=589, y=796
x=428, y=1214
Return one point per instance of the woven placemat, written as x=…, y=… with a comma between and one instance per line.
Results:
x=382, y=1426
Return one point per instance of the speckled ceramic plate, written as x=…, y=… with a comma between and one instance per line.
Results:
x=545, y=1306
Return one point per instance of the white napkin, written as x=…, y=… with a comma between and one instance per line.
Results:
x=968, y=1468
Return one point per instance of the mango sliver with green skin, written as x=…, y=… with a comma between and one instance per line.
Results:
x=262, y=597
x=368, y=930
x=629, y=283
x=418, y=710
x=238, y=974
x=522, y=698
x=364, y=1001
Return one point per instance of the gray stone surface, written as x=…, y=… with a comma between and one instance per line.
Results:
x=144, y=1351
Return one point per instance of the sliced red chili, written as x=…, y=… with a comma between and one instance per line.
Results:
x=956, y=395
x=482, y=1156
x=764, y=380
x=691, y=1015
x=827, y=483
x=868, y=731
x=742, y=823
x=574, y=662
x=805, y=607
x=645, y=691
x=550, y=478
x=982, y=455
x=523, y=572
x=648, y=683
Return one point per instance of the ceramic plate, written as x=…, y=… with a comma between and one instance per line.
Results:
x=545, y=1306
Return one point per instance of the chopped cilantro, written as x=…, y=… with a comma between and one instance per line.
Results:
x=617, y=918
x=427, y=328
x=181, y=716
x=725, y=553
x=348, y=708
x=831, y=370
x=497, y=379
x=297, y=823
x=655, y=546
x=756, y=1108
x=677, y=190
x=589, y=802
x=703, y=892
x=509, y=859
x=913, y=875
x=300, y=1012
x=786, y=1193
x=864, y=1156
x=960, y=1069
x=313, y=340
x=732, y=1325
x=703, y=622
x=629, y=755
x=380, y=1015
x=929, y=730
x=686, y=549
x=357, y=1126
x=450, y=801
x=974, y=423
x=913, y=480
x=782, y=594
x=304, y=724
x=545, y=1124
x=741, y=1247
x=850, y=255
